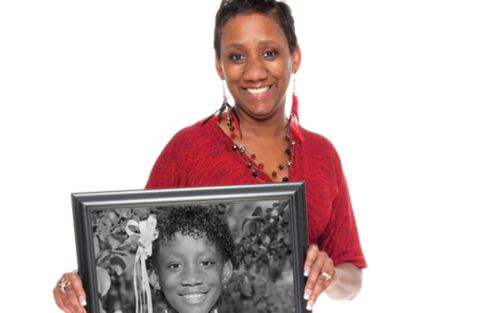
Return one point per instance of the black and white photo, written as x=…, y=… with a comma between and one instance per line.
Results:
x=226, y=249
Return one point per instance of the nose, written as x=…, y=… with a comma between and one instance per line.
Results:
x=255, y=69
x=191, y=276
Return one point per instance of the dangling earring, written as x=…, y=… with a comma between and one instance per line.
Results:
x=225, y=105
x=294, y=114
x=231, y=118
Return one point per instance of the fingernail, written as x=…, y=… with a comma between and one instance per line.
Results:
x=307, y=294
x=306, y=272
x=310, y=305
x=83, y=302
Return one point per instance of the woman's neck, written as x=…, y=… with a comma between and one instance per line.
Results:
x=272, y=127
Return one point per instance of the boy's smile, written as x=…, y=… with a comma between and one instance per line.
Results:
x=194, y=298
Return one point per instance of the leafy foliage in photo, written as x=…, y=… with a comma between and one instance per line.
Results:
x=262, y=281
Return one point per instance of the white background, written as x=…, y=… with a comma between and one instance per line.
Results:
x=408, y=91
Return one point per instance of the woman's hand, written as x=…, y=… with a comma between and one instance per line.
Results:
x=320, y=272
x=340, y=281
x=69, y=293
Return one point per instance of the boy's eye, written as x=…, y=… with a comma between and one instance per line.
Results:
x=207, y=263
x=174, y=266
x=236, y=57
x=269, y=54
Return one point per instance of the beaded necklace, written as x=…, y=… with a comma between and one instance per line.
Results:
x=250, y=158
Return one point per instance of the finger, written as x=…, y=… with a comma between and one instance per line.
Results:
x=77, y=287
x=59, y=300
x=315, y=270
x=72, y=301
x=322, y=283
x=312, y=253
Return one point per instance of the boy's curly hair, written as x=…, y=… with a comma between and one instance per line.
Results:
x=198, y=222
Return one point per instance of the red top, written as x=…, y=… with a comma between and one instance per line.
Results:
x=202, y=155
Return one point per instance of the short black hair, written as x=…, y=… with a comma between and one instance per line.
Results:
x=197, y=222
x=278, y=10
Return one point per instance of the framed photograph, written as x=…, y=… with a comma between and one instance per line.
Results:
x=219, y=249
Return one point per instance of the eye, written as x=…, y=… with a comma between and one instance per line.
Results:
x=174, y=266
x=270, y=54
x=236, y=57
x=207, y=263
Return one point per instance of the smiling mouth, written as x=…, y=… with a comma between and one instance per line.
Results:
x=194, y=298
x=257, y=91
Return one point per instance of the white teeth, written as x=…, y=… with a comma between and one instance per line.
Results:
x=194, y=297
x=258, y=90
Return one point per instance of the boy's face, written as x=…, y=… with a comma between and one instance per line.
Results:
x=191, y=273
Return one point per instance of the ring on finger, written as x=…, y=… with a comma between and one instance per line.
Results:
x=63, y=284
x=326, y=277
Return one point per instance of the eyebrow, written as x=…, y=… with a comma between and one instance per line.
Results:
x=179, y=254
x=261, y=43
x=267, y=42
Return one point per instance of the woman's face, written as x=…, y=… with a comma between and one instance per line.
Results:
x=191, y=273
x=256, y=63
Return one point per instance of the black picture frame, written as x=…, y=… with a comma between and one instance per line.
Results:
x=94, y=213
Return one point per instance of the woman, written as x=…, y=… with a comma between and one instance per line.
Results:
x=256, y=54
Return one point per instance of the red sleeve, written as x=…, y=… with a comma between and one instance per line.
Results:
x=340, y=238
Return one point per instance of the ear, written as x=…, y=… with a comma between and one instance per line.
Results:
x=227, y=271
x=296, y=58
x=218, y=67
x=154, y=279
